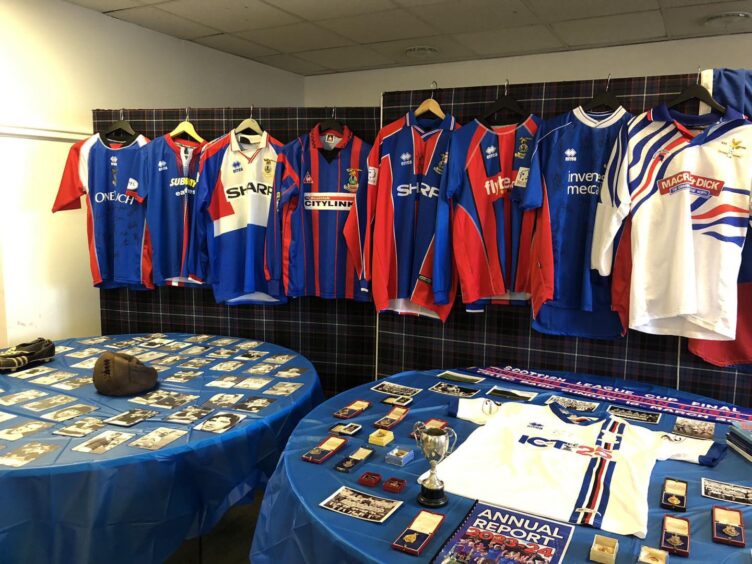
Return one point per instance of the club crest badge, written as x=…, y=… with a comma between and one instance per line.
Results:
x=352, y=179
x=439, y=168
x=268, y=167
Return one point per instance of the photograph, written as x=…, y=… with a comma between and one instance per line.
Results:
x=93, y=340
x=392, y=389
x=88, y=363
x=724, y=491
x=453, y=390
x=53, y=378
x=223, y=353
x=150, y=356
x=283, y=389
x=85, y=353
x=20, y=397
x=164, y=399
x=69, y=412
x=459, y=377
x=195, y=363
x=6, y=416
x=573, y=404
x=29, y=452
x=510, y=393
x=694, y=428
x=222, y=400
x=80, y=428
x=220, y=422
x=48, y=403
x=31, y=372
x=360, y=505
x=74, y=383
x=292, y=372
x=170, y=360
x=245, y=345
x=223, y=341
x=183, y=376
x=224, y=382
x=131, y=417
x=119, y=345
x=174, y=346
x=158, y=438
x=253, y=404
x=261, y=368
x=280, y=358
x=195, y=350
x=60, y=349
x=198, y=338
x=227, y=366
x=23, y=430
x=634, y=414
x=103, y=442
x=188, y=415
x=134, y=351
x=253, y=383
x=155, y=343
x=251, y=355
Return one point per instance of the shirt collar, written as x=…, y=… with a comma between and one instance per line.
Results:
x=591, y=119
x=184, y=142
x=237, y=147
x=448, y=123
x=318, y=144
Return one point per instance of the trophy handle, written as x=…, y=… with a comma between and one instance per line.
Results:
x=450, y=431
x=417, y=430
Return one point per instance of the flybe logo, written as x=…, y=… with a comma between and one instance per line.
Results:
x=423, y=189
x=583, y=450
x=584, y=183
x=238, y=191
x=685, y=180
x=497, y=187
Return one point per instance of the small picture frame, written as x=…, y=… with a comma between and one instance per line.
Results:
x=676, y=535
x=728, y=526
x=418, y=533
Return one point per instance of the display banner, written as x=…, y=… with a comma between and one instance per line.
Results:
x=634, y=395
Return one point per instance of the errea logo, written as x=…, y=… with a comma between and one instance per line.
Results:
x=237, y=167
x=570, y=155
x=491, y=152
x=162, y=166
x=406, y=158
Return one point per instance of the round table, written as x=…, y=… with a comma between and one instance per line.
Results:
x=292, y=527
x=131, y=504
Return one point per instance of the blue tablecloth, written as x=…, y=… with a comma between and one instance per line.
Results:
x=293, y=528
x=129, y=504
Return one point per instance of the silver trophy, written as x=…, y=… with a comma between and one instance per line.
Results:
x=435, y=445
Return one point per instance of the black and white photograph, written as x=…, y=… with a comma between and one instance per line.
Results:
x=85, y=353
x=360, y=505
x=453, y=390
x=173, y=346
x=149, y=356
x=69, y=412
x=94, y=340
x=195, y=350
x=48, y=403
x=23, y=430
x=253, y=383
x=459, y=377
x=261, y=368
x=188, y=415
x=198, y=338
x=60, y=349
x=155, y=343
x=32, y=372
x=80, y=427
x=24, y=454
x=135, y=351
x=53, y=377
x=131, y=417
x=158, y=438
x=223, y=353
x=195, y=363
x=183, y=376
x=392, y=389
x=251, y=355
x=20, y=397
x=292, y=372
x=103, y=442
x=511, y=394
x=227, y=366
x=6, y=416
x=164, y=399
x=245, y=345
x=222, y=400
x=224, y=382
x=74, y=383
x=283, y=389
x=170, y=360
x=151, y=336
x=694, y=428
x=254, y=404
x=120, y=345
x=280, y=358
x=724, y=491
x=88, y=363
x=220, y=422
x=223, y=341
x=634, y=414
x=574, y=404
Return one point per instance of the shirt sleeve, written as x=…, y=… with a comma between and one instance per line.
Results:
x=451, y=184
x=613, y=206
x=138, y=185
x=529, y=188
x=72, y=184
x=688, y=449
x=284, y=195
x=197, y=260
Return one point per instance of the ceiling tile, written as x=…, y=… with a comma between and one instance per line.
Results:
x=449, y=49
x=106, y=5
x=346, y=58
x=293, y=64
x=230, y=15
x=512, y=41
x=379, y=26
x=611, y=30
x=301, y=36
x=323, y=9
x=690, y=20
x=475, y=15
x=163, y=22
x=236, y=46
x=558, y=10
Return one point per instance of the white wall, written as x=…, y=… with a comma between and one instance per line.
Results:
x=364, y=88
x=58, y=62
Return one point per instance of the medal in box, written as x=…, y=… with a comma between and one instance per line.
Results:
x=728, y=526
x=604, y=549
x=675, y=536
x=399, y=456
x=674, y=494
x=350, y=462
x=324, y=449
x=355, y=408
x=418, y=533
x=395, y=415
x=381, y=437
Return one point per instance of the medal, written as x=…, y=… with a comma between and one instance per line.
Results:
x=410, y=538
x=673, y=500
x=731, y=531
x=675, y=540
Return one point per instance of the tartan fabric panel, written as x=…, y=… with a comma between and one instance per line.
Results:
x=338, y=337
x=503, y=334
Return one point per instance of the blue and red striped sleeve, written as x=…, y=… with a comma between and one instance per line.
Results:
x=451, y=184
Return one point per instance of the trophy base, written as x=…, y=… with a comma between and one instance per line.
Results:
x=430, y=497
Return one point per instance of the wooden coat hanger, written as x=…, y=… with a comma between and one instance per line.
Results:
x=249, y=125
x=429, y=105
